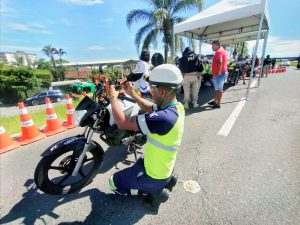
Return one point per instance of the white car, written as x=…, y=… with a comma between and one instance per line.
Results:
x=285, y=62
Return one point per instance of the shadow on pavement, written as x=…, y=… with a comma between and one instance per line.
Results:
x=206, y=94
x=115, y=154
x=106, y=208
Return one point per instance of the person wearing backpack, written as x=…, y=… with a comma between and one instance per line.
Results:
x=266, y=66
x=191, y=68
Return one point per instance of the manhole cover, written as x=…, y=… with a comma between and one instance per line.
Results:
x=191, y=186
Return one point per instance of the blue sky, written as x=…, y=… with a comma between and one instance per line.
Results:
x=90, y=30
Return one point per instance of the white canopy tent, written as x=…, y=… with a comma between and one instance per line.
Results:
x=229, y=21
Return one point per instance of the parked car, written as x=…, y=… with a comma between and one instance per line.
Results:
x=285, y=62
x=39, y=98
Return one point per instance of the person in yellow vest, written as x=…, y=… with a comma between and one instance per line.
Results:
x=206, y=73
x=151, y=176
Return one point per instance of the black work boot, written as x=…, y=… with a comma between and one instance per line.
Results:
x=172, y=183
x=155, y=198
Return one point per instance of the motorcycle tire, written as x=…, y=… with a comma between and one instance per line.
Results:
x=65, y=183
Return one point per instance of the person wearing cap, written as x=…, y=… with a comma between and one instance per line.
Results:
x=191, y=68
x=163, y=124
x=266, y=66
x=143, y=67
x=219, y=71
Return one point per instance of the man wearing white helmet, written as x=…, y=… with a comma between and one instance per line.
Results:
x=163, y=124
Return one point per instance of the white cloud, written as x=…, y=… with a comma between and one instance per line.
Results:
x=33, y=28
x=277, y=47
x=95, y=48
x=7, y=10
x=62, y=21
x=84, y=2
x=109, y=20
x=19, y=48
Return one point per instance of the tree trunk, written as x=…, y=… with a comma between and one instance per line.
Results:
x=166, y=52
x=25, y=92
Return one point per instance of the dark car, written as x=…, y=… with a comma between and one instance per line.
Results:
x=39, y=98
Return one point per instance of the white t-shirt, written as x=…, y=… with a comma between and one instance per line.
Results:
x=141, y=84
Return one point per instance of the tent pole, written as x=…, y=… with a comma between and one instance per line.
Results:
x=254, y=54
x=200, y=46
x=263, y=56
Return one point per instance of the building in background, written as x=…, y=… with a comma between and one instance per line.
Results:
x=18, y=57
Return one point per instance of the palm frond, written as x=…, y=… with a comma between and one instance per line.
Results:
x=185, y=5
x=141, y=33
x=137, y=15
x=150, y=38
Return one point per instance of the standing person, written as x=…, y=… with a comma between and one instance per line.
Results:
x=191, y=68
x=143, y=67
x=256, y=66
x=163, y=124
x=273, y=63
x=219, y=70
x=266, y=66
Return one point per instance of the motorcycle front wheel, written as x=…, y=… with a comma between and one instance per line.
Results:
x=53, y=174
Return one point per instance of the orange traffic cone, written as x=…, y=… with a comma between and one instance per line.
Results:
x=6, y=142
x=70, y=109
x=84, y=94
x=29, y=131
x=53, y=125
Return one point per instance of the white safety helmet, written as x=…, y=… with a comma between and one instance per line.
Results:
x=166, y=75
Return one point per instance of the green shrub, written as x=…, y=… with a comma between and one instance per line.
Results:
x=9, y=95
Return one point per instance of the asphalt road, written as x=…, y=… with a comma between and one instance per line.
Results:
x=250, y=176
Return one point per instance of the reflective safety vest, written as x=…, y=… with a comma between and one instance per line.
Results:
x=160, y=151
x=207, y=68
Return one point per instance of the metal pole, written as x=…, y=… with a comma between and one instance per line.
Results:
x=200, y=46
x=254, y=55
x=263, y=56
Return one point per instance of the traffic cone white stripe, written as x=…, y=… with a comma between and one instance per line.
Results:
x=51, y=116
x=49, y=105
x=70, y=111
x=69, y=101
x=2, y=130
x=27, y=123
x=23, y=111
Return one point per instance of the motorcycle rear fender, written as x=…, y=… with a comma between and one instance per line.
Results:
x=74, y=142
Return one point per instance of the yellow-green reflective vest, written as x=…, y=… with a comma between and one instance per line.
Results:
x=160, y=151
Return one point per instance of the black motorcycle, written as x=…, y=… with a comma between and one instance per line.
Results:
x=72, y=163
x=234, y=75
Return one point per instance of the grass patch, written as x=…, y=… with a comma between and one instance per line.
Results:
x=12, y=124
x=294, y=63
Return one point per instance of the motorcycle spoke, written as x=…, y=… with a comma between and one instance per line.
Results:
x=66, y=177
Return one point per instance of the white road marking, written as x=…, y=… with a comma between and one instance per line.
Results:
x=225, y=129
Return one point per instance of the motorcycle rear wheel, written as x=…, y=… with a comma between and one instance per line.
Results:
x=53, y=174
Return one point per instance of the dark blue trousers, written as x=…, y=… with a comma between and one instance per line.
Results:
x=135, y=178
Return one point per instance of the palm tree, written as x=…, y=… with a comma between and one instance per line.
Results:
x=61, y=71
x=50, y=52
x=60, y=53
x=160, y=19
